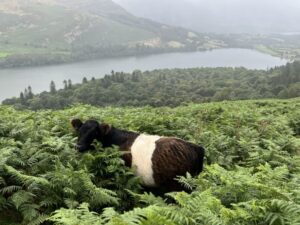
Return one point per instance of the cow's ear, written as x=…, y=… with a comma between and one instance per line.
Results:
x=76, y=123
x=105, y=128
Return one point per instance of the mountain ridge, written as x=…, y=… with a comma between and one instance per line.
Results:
x=50, y=31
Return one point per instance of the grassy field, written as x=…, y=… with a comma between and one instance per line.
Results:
x=265, y=49
x=4, y=54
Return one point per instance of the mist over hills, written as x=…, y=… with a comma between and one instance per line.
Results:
x=221, y=16
x=42, y=31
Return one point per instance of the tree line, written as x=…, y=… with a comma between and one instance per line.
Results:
x=89, y=52
x=168, y=87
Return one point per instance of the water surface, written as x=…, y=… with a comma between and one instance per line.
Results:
x=13, y=81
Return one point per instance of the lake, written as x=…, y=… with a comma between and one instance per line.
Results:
x=13, y=81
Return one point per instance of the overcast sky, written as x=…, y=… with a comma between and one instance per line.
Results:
x=221, y=15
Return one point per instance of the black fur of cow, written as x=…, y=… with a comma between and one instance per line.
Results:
x=157, y=160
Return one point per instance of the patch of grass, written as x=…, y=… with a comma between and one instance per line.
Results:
x=4, y=54
x=267, y=50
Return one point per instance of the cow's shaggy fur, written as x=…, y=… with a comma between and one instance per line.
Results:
x=157, y=160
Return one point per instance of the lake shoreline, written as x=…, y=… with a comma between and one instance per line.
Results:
x=159, y=52
x=14, y=80
x=72, y=60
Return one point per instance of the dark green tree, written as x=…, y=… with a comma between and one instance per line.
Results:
x=22, y=98
x=30, y=94
x=84, y=80
x=52, y=87
x=65, y=84
x=70, y=85
x=26, y=93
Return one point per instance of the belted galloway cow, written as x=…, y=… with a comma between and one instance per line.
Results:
x=157, y=160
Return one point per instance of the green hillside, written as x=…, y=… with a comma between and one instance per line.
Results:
x=251, y=174
x=278, y=45
x=48, y=31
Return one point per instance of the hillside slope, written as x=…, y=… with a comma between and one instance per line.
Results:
x=251, y=174
x=273, y=28
x=48, y=31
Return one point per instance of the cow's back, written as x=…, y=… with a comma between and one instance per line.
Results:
x=174, y=157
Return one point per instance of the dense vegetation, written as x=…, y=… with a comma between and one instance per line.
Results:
x=169, y=88
x=251, y=176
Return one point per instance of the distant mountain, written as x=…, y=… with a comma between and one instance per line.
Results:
x=221, y=16
x=50, y=31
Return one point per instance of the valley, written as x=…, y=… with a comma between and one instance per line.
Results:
x=49, y=32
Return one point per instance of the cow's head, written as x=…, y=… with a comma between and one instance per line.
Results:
x=88, y=132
